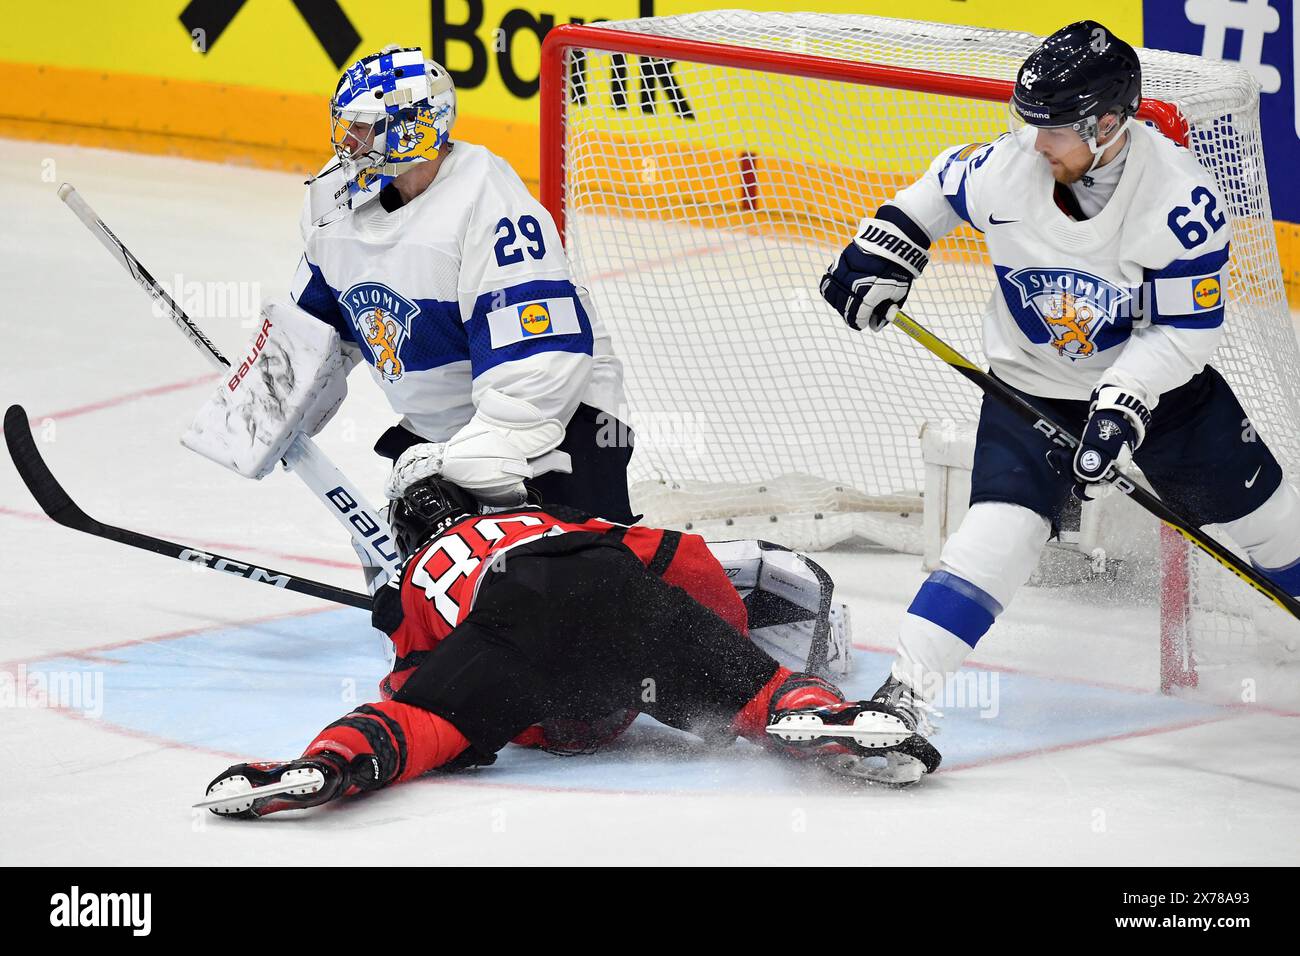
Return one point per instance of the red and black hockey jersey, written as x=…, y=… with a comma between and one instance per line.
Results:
x=439, y=583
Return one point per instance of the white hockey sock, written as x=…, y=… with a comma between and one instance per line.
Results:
x=1271, y=536
x=982, y=566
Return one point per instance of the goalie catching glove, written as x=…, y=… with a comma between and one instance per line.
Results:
x=873, y=275
x=1117, y=424
x=506, y=442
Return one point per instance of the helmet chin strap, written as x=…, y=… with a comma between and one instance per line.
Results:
x=1099, y=149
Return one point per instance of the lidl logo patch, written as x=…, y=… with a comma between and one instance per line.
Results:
x=1207, y=292
x=539, y=319
x=534, y=318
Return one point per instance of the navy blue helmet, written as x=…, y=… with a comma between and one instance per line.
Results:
x=1077, y=75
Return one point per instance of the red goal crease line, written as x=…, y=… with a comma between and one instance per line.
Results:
x=559, y=41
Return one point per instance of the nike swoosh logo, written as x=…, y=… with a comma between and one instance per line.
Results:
x=993, y=221
x=1254, y=476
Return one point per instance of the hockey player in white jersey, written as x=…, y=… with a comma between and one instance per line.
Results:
x=1110, y=245
x=439, y=269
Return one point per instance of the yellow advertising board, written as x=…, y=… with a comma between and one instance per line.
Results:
x=248, y=81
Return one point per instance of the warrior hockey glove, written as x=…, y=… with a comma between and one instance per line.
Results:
x=873, y=275
x=1117, y=424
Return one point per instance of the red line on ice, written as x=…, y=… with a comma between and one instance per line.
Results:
x=1075, y=745
x=90, y=653
x=1103, y=685
x=222, y=545
x=122, y=399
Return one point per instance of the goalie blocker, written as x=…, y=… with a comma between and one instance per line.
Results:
x=290, y=379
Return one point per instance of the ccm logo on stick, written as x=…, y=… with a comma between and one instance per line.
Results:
x=252, y=572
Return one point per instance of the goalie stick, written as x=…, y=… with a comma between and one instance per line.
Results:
x=1061, y=436
x=60, y=507
x=304, y=458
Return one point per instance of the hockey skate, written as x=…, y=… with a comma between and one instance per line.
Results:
x=914, y=710
x=865, y=740
x=251, y=790
x=860, y=739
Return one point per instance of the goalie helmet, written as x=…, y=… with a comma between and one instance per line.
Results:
x=427, y=509
x=390, y=110
x=1076, y=76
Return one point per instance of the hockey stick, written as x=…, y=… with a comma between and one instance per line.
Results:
x=303, y=458
x=1061, y=436
x=60, y=507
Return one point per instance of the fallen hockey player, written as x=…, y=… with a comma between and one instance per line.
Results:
x=554, y=629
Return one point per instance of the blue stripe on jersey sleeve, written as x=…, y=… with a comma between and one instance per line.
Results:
x=1210, y=263
x=483, y=356
x=1209, y=319
x=1201, y=265
x=319, y=299
x=958, y=201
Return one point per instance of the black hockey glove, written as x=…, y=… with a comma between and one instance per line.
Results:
x=1117, y=423
x=874, y=273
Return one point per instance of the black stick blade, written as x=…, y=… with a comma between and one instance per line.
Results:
x=36, y=475
x=56, y=503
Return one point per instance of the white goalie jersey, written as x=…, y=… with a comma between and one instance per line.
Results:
x=1132, y=297
x=464, y=288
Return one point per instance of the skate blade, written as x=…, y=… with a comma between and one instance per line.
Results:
x=871, y=730
x=235, y=795
x=884, y=770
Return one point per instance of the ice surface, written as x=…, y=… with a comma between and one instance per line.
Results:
x=183, y=671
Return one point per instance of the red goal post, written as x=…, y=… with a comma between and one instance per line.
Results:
x=562, y=39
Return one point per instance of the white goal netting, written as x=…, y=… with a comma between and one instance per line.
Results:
x=707, y=187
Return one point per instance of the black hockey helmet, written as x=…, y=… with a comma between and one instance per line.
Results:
x=1077, y=75
x=427, y=509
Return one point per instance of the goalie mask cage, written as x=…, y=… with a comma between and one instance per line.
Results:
x=705, y=169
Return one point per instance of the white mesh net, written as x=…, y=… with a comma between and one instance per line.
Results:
x=703, y=202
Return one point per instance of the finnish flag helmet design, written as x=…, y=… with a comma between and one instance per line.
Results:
x=389, y=110
x=1075, y=77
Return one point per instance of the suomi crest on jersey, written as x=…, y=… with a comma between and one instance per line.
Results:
x=1079, y=313
x=383, y=318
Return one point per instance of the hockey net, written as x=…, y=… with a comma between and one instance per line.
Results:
x=704, y=170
